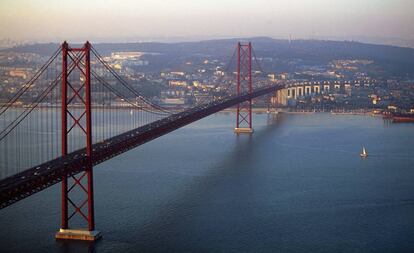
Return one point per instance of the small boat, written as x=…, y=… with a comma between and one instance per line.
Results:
x=363, y=153
x=131, y=112
x=402, y=117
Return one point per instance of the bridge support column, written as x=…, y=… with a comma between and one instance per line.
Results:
x=77, y=190
x=244, y=84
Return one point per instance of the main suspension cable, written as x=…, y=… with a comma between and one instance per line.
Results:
x=119, y=94
x=26, y=86
x=125, y=84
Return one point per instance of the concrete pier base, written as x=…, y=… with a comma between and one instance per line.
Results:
x=78, y=234
x=243, y=130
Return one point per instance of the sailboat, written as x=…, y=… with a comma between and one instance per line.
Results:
x=131, y=112
x=364, y=152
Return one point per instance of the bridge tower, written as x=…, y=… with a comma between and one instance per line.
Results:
x=77, y=190
x=244, y=84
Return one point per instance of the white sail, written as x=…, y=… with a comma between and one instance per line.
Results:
x=364, y=152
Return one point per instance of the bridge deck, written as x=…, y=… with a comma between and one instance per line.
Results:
x=28, y=182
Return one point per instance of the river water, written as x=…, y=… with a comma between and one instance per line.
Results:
x=297, y=184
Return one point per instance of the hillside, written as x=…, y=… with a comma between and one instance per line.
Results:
x=395, y=60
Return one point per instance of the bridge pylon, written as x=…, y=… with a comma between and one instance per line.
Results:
x=76, y=116
x=244, y=84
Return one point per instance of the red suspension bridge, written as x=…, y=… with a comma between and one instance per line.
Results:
x=64, y=121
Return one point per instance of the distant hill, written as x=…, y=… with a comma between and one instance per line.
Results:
x=396, y=60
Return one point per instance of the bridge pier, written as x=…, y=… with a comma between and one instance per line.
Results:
x=77, y=234
x=77, y=91
x=244, y=84
x=299, y=91
x=243, y=130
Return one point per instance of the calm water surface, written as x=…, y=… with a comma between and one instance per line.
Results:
x=296, y=185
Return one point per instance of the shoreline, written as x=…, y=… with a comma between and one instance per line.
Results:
x=258, y=110
x=273, y=110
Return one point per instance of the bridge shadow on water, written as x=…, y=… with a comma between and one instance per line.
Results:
x=160, y=233
x=224, y=209
x=157, y=235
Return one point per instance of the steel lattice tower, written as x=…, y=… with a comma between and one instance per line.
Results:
x=244, y=85
x=76, y=115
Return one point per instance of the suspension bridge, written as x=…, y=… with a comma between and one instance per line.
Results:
x=77, y=112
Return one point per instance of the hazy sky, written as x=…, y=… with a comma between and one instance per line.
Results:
x=132, y=20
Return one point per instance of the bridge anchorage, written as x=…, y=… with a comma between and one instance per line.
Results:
x=244, y=84
x=80, y=85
